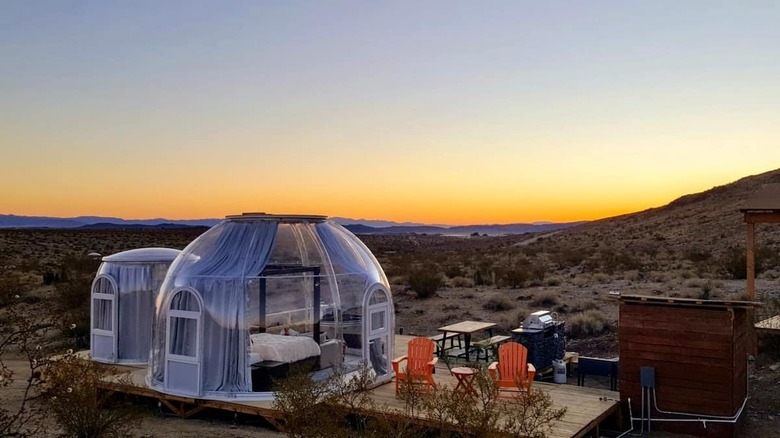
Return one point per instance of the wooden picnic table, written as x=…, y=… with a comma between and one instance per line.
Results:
x=467, y=328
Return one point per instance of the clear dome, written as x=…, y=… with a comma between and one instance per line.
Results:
x=123, y=296
x=259, y=290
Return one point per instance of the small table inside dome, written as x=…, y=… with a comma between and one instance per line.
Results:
x=465, y=376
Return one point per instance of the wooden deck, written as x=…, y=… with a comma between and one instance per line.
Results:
x=587, y=407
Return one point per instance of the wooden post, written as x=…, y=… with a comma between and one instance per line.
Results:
x=751, y=261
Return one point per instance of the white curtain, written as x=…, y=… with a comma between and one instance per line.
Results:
x=184, y=333
x=102, y=311
x=217, y=266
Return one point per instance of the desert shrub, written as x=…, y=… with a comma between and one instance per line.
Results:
x=546, y=298
x=453, y=270
x=519, y=316
x=771, y=274
x=696, y=254
x=498, y=302
x=480, y=279
x=73, y=303
x=462, y=282
x=11, y=285
x=23, y=333
x=707, y=289
x=397, y=279
x=582, y=280
x=568, y=257
x=574, y=306
x=632, y=275
x=553, y=281
x=514, y=276
x=73, y=398
x=694, y=282
x=659, y=276
x=734, y=264
x=532, y=415
x=538, y=271
x=425, y=280
x=582, y=305
x=601, y=278
x=524, y=415
x=587, y=323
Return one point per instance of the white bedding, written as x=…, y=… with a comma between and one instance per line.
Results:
x=282, y=348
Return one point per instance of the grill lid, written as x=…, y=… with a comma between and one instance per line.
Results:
x=538, y=320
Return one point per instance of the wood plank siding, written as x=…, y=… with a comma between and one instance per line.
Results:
x=699, y=354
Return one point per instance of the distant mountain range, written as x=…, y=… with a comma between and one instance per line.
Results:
x=357, y=226
x=14, y=221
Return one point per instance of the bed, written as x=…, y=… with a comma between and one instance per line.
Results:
x=281, y=348
x=271, y=357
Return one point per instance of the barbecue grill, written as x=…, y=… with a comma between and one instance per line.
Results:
x=538, y=320
x=543, y=336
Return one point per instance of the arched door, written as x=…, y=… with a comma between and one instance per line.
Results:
x=183, y=343
x=378, y=331
x=103, y=319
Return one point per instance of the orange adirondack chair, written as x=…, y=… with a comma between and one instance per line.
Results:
x=512, y=373
x=419, y=367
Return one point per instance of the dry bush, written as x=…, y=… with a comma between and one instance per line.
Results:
x=553, y=281
x=461, y=282
x=314, y=409
x=582, y=305
x=72, y=396
x=524, y=415
x=660, y=276
x=632, y=275
x=498, y=302
x=453, y=270
x=342, y=406
x=694, y=282
x=425, y=280
x=582, y=280
x=545, y=299
x=576, y=306
x=601, y=278
x=519, y=315
x=397, y=279
x=588, y=323
x=684, y=274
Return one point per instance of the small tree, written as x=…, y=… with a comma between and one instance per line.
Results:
x=23, y=333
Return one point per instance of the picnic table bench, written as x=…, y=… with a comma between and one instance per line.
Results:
x=441, y=340
x=485, y=345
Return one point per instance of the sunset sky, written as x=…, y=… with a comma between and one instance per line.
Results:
x=442, y=112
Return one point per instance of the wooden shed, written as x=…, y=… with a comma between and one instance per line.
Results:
x=698, y=352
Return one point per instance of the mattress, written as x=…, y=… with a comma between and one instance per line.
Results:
x=281, y=348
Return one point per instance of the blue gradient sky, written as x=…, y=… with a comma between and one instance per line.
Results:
x=445, y=112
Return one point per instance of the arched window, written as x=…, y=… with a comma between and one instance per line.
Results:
x=379, y=330
x=104, y=324
x=182, y=364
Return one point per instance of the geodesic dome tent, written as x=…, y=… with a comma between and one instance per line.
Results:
x=258, y=292
x=123, y=295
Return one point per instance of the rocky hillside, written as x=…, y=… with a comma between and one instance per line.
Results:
x=706, y=223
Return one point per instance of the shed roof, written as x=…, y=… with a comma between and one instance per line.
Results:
x=766, y=198
x=686, y=302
